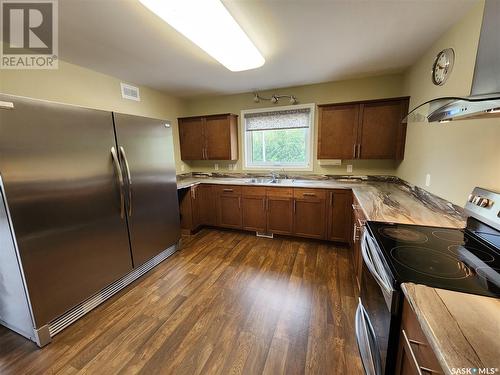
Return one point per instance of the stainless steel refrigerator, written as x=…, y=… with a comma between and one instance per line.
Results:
x=88, y=204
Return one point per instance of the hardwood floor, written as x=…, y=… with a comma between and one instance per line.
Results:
x=227, y=303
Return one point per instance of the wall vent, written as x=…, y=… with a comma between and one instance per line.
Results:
x=130, y=92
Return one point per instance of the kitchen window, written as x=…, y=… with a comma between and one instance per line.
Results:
x=279, y=137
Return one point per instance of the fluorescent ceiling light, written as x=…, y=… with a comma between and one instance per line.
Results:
x=208, y=24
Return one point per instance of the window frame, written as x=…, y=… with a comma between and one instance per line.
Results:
x=245, y=137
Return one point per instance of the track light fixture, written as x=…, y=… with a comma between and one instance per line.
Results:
x=274, y=98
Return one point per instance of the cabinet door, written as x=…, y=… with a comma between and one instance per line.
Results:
x=253, y=205
x=191, y=138
x=339, y=215
x=229, y=206
x=206, y=205
x=414, y=351
x=309, y=213
x=186, y=209
x=337, y=131
x=221, y=137
x=381, y=130
x=195, y=206
x=279, y=214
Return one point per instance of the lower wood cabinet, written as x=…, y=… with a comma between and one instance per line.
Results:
x=415, y=355
x=280, y=210
x=254, y=210
x=229, y=214
x=309, y=213
x=339, y=215
x=206, y=205
x=359, y=220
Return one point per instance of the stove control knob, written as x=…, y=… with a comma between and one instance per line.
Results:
x=476, y=199
x=485, y=202
x=471, y=198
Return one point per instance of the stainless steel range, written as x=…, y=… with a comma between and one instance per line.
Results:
x=465, y=260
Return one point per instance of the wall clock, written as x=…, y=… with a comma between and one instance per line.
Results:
x=443, y=64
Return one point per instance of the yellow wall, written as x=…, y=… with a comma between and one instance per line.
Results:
x=73, y=84
x=331, y=92
x=457, y=155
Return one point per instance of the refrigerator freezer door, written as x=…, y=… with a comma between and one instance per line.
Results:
x=146, y=153
x=62, y=190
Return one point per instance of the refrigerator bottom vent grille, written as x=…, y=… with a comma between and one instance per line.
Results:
x=85, y=307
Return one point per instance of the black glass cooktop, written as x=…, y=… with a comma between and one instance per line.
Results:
x=439, y=257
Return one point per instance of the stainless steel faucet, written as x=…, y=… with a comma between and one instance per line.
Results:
x=274, y=176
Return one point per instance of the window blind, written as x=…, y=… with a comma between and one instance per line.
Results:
x=272, y=120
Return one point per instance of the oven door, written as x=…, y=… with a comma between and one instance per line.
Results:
x=377, y=320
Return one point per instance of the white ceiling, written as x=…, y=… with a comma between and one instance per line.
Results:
x=303, y=41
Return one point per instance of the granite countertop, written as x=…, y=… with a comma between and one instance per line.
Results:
x=382, y=198
x=463, y=329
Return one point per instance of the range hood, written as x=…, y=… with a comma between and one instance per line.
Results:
x=484, y=99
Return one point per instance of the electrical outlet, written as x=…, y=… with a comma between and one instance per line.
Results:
x=216, y=166
x=427, y=180
x=349, y=168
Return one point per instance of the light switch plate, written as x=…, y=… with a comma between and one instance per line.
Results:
x=349, y=168
x=427, y=180
x=216, y=166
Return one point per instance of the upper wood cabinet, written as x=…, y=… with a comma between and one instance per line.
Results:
x=191, y=138
x=213, y=137
x=338, y=130
x=362, y=130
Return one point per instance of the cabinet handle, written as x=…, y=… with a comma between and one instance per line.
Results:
x=193, y=192
x=239, y=202
x=227, y=190
x=267, y=204
x=359, y=150
x=264, y=204
x=331, y=198
x=309, y=195
x=354, y=152
x=294, y=206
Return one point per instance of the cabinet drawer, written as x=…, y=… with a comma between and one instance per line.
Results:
x=253, y=191
x=414, y=344
x=279, y=192
x=309, y=193
x=228, y=189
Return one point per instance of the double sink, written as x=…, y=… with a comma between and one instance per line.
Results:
x=277, y=181
x=268, y=180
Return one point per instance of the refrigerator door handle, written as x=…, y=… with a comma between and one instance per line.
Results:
x=129, y=180
x=120, y=181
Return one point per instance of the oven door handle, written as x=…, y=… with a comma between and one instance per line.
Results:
x=371, y=260
x=367, y=343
